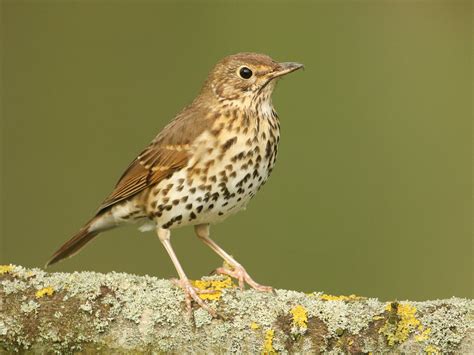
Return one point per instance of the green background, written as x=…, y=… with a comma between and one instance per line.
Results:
x=371, y=193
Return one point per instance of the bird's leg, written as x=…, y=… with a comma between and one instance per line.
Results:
x=238, y=271
x=191, y=292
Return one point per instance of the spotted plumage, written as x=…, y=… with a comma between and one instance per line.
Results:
x=205, y=165
x=208, y=189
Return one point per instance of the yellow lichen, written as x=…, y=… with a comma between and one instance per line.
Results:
x=431, y=349
x=4, y=269
x=213, y=285
x=300, y=316
x=46, y=291
x=268, y=344
x=397, y=331
x=424, y=335
x=325, y=297
x=254, y=326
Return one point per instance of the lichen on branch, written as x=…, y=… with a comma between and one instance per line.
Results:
x=66, y=312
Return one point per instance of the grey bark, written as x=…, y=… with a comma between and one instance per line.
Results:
x=117, y=312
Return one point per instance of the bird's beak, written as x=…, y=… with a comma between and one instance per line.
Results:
x=286, y=67
x=280, y=70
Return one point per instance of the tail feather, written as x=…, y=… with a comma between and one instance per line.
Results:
x=73, y=245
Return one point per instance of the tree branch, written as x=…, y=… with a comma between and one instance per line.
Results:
x=119, y=312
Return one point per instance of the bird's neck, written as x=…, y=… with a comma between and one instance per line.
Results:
x=261, y=107
x=249, y=109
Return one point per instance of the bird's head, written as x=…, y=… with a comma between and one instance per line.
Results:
x=246, y=78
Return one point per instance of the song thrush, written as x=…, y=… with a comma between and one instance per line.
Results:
x=205, y=165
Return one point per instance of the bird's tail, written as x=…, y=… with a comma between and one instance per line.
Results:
x=73, y=245
x=101, y=222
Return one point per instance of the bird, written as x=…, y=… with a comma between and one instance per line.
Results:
x=203, y=166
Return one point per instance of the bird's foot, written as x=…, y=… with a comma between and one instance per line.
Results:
x=238, y=272
x=191, y=293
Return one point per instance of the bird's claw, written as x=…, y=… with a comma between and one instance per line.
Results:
x=238, y=272
x=191, y=293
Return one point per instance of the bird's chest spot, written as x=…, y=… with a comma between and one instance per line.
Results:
x=243, y=163
x=228, y=171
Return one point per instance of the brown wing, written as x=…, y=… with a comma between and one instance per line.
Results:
x=147, y=169
x=168, y=152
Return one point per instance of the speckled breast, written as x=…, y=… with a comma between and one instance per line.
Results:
x=229, y=165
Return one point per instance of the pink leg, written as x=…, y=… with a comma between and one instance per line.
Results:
x=238, y=271
x=191, y=292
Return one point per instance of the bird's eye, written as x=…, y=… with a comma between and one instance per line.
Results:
x=245, y=73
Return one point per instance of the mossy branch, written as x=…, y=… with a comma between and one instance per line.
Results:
x=119, y=312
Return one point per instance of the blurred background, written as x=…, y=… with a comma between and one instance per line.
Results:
x=371, y=193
